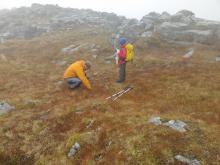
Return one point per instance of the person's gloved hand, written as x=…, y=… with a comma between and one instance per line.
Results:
x=89, y=78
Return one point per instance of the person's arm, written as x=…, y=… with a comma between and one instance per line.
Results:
x=81, y=75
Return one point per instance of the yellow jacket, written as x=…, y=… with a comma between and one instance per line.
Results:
x=77, y=70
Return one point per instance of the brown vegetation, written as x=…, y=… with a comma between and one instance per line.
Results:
x=49, y=118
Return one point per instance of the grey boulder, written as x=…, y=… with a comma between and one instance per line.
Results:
x=155, y=121
x=75, y=148
x=186, y=160
x=5, y=107
x=176, y=125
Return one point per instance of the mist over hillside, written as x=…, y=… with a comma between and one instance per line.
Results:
x=169, y=116
x=29, y=22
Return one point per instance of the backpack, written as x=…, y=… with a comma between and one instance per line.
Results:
x=130, y=52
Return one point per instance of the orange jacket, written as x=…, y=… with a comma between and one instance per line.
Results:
x=77, y=70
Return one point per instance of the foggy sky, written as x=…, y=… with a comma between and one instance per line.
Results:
x=209, y=9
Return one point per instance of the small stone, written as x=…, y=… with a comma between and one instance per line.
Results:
x=72, y=152
x=217, y=59
x=108, y=62
x=176, y=125
x=93, y=46
x=75, y=49
x=90, y=123
x=94, y=56
x=95, y=74
x=189, y=54
x=186, y=160
x=66, y=50
x=5, y=107
x=147, y=34
x=61, y=63
x=71, y=48
x=94, y=50
x=155, y=120
x=75, y=148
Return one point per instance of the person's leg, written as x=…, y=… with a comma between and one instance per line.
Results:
x=122, y=68
x=74, y=82
x=124, y=71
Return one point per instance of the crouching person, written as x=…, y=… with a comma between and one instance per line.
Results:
x=75, y=74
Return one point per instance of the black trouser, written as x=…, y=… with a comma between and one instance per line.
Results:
x=73, y=82
x=122, y=72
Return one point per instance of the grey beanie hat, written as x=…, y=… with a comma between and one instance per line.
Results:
x=88, y=64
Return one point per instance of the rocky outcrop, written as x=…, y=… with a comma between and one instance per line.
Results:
x=182, y=26
x=29, y=22
x=131, y=29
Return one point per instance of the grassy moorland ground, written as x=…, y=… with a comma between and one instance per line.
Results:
x=49, y=118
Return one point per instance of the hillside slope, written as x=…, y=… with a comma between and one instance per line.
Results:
x=182, y=27
x=49, y=118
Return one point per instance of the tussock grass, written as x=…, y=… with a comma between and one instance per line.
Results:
x=49, y=118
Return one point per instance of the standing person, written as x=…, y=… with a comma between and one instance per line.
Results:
x=121, y=60
x=75, y=74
